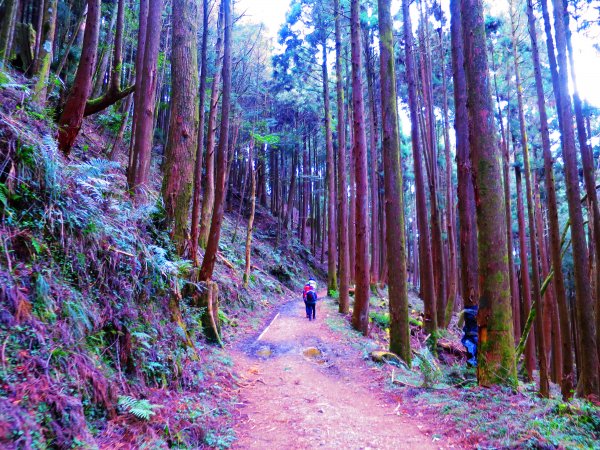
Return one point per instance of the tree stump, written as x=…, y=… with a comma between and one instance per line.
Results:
x=205, y=294
x=209, y=299
x=24, y=43
x=176, y=316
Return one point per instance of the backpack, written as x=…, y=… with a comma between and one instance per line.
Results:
x=470, y=328
x=311, y=297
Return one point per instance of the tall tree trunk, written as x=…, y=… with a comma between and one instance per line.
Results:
x=465, y=193
x=195, y=232
x=289, y=216
x=351, y=178
x=183, y=132
x=589, y=175
x=100, y=72
x=252, y=210
x=425, y=259
x=394, y=202
x=514, y=288
x=72, y=40
x=137, y=96
x=114, y=92
x=430, y=141
x=374, y=184
x=550, y=319
x=568, y=376
x=331, y=232
x=360, y=314
x=352, y=189
x=589, y=382
x=38, y=10
x=305, y=191
x=114, y=152
x=344, y=255
x=525, y=280
x=208, y=185
x=144, y=126
x=71, y=119
x=535, y=271
x=45, y=53
x=7, y=29
x=496, y=353
x=450, y=221
x=212, y=246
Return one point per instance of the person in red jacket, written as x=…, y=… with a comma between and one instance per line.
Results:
x=309, y=295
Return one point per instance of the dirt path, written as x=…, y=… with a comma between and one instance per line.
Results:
x=323, y=397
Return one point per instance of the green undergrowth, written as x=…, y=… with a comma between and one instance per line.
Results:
x=340, y=324
x=87, y=282
x=502, y=418
x=444, y=390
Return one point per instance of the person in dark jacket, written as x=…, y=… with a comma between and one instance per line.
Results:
x=468, y=318
x=309, y=295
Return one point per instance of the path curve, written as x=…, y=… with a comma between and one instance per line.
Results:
x=328, y=399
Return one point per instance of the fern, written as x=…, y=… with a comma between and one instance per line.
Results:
x=432, y=374
x=141, y=409
x=80, y=316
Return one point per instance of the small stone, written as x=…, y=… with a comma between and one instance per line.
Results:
x=264, y=352
x=312, y=353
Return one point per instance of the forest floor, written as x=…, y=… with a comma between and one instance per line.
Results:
x=90, y=359
x=304, y=385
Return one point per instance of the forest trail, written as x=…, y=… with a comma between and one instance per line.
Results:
x=305, y=387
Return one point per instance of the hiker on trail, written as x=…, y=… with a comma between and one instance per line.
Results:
x=309, y=295
x=468, y=317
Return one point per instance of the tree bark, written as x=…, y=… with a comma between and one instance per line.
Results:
x=212, y=246
x=137, y=96
x=525, y=280
x=106, y=46
x=71, y=119
x=589, y=176
x=535, y=271
x=183, y=132
x=394, y=201
x=37, y=19
x=465, y=192
x=496, y=353
x=114, y=92
x=252, y=210
x=305, y=191
x=195, y=232
x=45, y=54
x=374, y=184
x=144, y=127
x=290, y=199
x=74, y=36
x=344, y=253
x=7, y=29
x=452, y=274
x=208, y=185
x=425, y=258
x=351, y=188
x=360, y=314
x=119, y=137
x=430, y=145
x=331, y=232
x=568, y=376
x=514, y=288
x=589, y=382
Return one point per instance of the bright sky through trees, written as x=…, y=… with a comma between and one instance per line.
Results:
x=272, y=14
